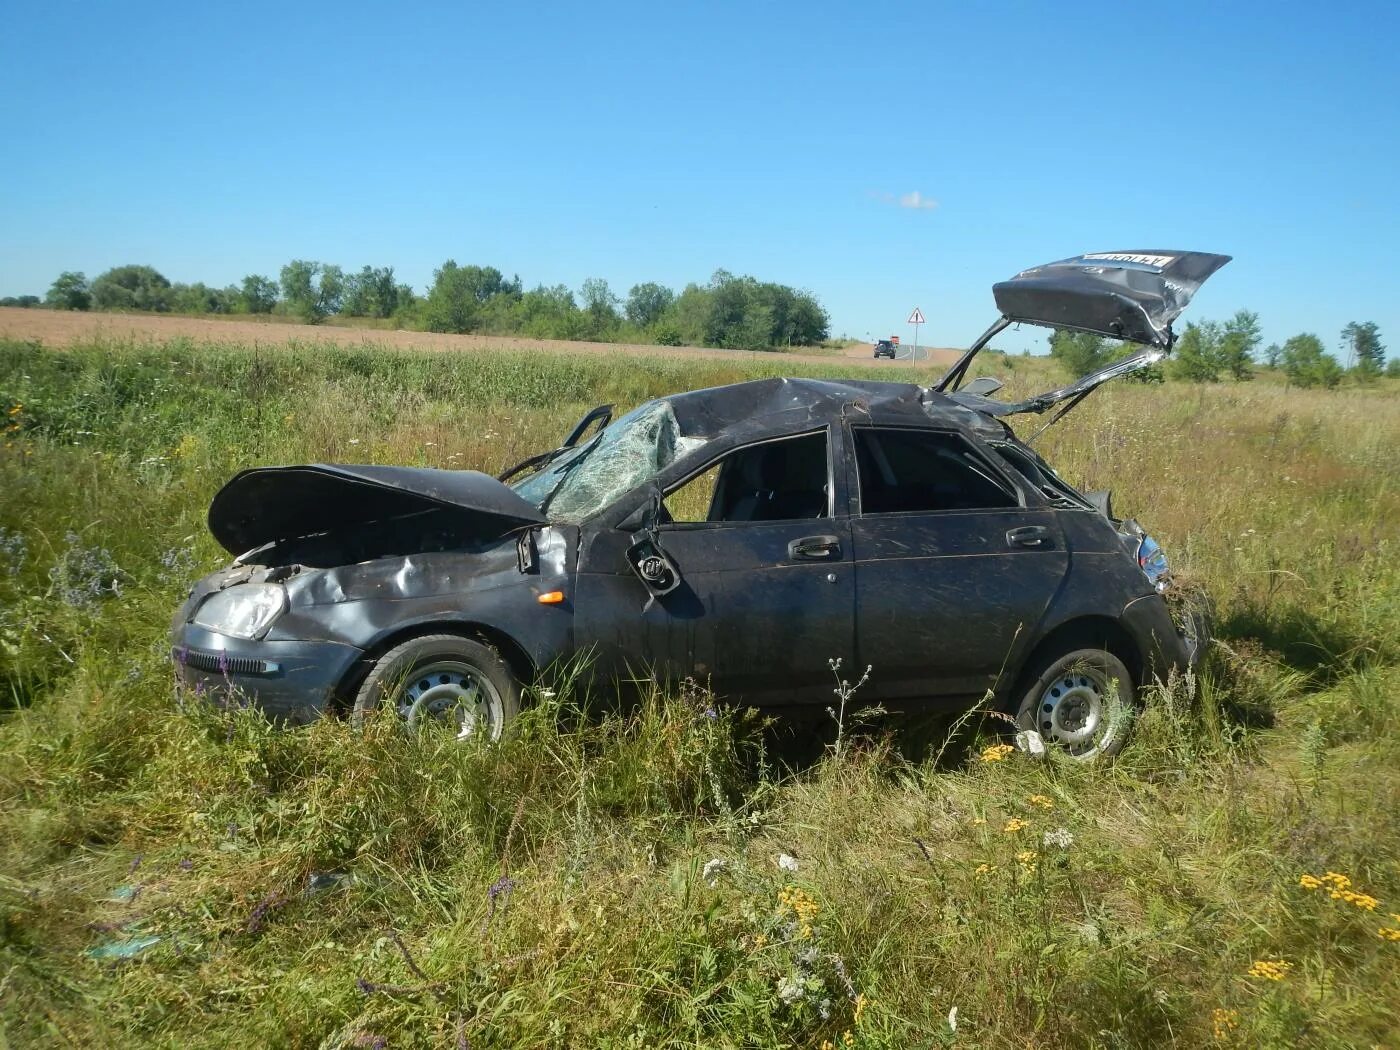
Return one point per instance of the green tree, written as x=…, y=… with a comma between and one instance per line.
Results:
x=258, y=294
x=1238, y=342
x=24, y=302
x=1197, y=356
x=646, y=303
x=312, y=290
x=1080, y=352
x=600, y=307
x=455, y=301
x=1392, y=368
x=1273, y=353
x=199, y=298
x=132, y=288
x=69, y=291
x=1364, y=349
x=371, y=293
x=1306, y=363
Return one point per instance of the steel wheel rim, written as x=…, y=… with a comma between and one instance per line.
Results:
x=453, y=693
x=1076, y=712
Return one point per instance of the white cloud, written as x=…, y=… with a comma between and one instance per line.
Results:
x=917, y=201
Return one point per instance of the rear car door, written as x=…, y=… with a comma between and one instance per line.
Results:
x=766, y=595
x=953, y=569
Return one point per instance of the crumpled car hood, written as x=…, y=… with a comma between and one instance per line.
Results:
x=266, y=504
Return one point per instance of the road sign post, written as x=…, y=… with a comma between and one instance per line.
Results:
x=916, y=319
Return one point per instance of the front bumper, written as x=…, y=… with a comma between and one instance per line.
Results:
x=292, y=681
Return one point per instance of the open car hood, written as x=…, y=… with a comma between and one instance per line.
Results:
x=1134, y=296
x=265, y=504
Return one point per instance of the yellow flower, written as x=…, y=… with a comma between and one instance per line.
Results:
x=1014, y=825
x=977, y=822
x=803, y=907
x=1339, y=882
x=1269, y=969
x=1387, y=933
x=1309, y=882
x=1043, y=801
x=760, y=942
x=17, y=409
x=860, y=1009
x=984, y=869
x=996, y=752
x=1361, y=900
x=1224, y=1022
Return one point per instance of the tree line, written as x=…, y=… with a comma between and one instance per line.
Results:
x=1208, y=351
x=729, y=310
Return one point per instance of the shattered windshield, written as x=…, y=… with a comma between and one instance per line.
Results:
x=586, y=479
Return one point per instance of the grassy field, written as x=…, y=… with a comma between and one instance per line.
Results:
x=615, y=880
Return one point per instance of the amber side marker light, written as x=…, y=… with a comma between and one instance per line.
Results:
x=550, y=598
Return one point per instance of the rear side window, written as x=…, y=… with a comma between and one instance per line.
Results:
x=924, y=470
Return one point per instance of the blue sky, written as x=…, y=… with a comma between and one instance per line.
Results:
x=662, y=141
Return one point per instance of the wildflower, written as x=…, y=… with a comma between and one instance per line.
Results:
x=953, y=1020
x=1027, y=859
x=1309, y=882
x=984, y=869
x=802, y=906
x=1043, y=801
x=1269, y=969
x=1014, y=825
x=760, y=942
x=16, y=409
x=789, y=988
x=1337, y=881
x=1061, y=838
x=787, y=863
x=977, y=822
x=859, y=1010
x=996, y=753
x=1361, y=900
x=1224, y=1022
x=1389, y=933
x=712, y=869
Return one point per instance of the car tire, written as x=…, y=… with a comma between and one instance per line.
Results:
x=443, y=678
x=1082, y=703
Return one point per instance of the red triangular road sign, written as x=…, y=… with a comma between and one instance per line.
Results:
x=917, y=317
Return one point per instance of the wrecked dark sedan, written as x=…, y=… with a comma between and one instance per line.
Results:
x=743, y=536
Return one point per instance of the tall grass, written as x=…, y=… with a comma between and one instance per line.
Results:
x=606, y=879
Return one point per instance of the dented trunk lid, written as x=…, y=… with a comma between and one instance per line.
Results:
x=267, y=504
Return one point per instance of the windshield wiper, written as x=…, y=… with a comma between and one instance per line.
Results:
x=565, y=469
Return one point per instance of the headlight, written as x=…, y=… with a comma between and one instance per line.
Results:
x=1152, y=560
x=245, y=610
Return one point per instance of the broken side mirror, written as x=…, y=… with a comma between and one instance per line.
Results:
x=653, y=565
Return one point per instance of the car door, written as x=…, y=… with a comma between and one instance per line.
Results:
x=953, y=570
x=761, y=542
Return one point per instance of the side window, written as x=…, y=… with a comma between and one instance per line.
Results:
x=785, y=480
x=1045, y=480
x=912, y=470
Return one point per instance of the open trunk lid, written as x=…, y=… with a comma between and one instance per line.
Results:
x=266, y=504
x=1133, y=296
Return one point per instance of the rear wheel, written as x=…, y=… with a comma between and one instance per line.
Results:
x=443, y=679
x=1081, y=703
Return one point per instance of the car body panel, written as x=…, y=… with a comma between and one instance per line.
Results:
x=945, y=604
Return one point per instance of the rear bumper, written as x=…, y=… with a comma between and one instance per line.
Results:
x=291, y=681
x=1166, y=645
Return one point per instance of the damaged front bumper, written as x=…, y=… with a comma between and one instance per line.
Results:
x=293, y=681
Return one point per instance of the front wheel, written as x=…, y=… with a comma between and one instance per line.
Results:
x=1081, y=703
x=443, y=679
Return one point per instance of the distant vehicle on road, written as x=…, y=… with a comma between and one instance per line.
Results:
x=886, y=348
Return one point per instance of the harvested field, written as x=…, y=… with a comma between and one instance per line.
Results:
x=63, y=328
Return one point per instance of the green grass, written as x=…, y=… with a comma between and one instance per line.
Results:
x=335, y=887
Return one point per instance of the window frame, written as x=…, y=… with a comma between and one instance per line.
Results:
x=998, y=474
x=832, y=507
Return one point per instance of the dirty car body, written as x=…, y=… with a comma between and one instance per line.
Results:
x=743, y=536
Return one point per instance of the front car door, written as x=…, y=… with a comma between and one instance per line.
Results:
x=766, y=597
x=954, y=569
